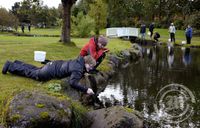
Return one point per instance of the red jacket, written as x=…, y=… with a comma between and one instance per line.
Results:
x=91, y=48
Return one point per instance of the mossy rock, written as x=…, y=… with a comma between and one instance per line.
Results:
x=115, y=117
x=40, y=110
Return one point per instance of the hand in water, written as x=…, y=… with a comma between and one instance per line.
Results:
x=90, y=91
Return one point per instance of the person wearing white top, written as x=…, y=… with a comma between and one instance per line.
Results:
x=172, y=31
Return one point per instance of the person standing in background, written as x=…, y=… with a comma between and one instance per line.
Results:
x=172, y=31
x=29, y=27
x=151, y=28
x=22, y=27
x=188, y=34
x=143, y=31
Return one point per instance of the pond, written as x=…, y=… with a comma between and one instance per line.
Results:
x=164, y=85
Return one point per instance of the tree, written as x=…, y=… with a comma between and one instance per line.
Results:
x=98, y=11
x=67, y=4
x=7, y=19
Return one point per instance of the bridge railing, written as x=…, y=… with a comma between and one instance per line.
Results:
x=122, y=32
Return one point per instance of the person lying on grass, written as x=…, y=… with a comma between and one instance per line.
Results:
x=74, y=69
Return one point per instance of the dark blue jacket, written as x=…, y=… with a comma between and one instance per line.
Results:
x=61, y=69
x=188, y=32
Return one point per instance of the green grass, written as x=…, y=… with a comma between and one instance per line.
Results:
x=22, y=48
x=42, y=31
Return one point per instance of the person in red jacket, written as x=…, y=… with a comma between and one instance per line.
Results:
x=96, y=48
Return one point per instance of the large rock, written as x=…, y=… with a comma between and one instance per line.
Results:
x=38, y=110
x=115, y=117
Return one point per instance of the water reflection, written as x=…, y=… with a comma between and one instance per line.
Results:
x=186, y=56
x=170, y=57
x=137, y=85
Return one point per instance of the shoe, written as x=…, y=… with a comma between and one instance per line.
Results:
x=45, y=61
x=5, y=67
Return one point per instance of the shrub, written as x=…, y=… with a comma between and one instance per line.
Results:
x=179, y=24
x=193, y=20
x=7, y=20
x=82, y=25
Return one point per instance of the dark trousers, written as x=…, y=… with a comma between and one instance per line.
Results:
x=151, y=34
x=172, y=37
x=188, y=40
x=22, y=69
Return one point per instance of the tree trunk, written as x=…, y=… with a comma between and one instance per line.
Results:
x=65, y=37
x=67, y=4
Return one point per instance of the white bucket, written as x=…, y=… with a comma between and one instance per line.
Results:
x=39, y=56
x=183, y=42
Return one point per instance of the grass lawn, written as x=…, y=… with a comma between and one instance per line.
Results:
x=22, y=48
x=42, y=31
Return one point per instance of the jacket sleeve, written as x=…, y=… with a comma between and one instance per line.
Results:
x=74, y=81
x=93, y=51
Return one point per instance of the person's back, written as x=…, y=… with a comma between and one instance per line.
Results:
x=156, y=36
x=60, y=69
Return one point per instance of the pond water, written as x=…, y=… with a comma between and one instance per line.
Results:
x=164, y=85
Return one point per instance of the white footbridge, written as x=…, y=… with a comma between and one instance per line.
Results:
x=122, y=32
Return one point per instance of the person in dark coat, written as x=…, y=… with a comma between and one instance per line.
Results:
x=55, y=69
x=22, y=27
x=156, y=36
x=29, y=27
x=143, y=31
x=151, y=28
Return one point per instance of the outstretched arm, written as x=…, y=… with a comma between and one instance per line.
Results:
x=74, y=83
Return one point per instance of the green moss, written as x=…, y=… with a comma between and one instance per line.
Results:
x=44, y=115
x=78, y=113
x=104, y=66
x=15, y=117
x=40, y=105
x=62, y=113
x=129, y=110
x=59, y=96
